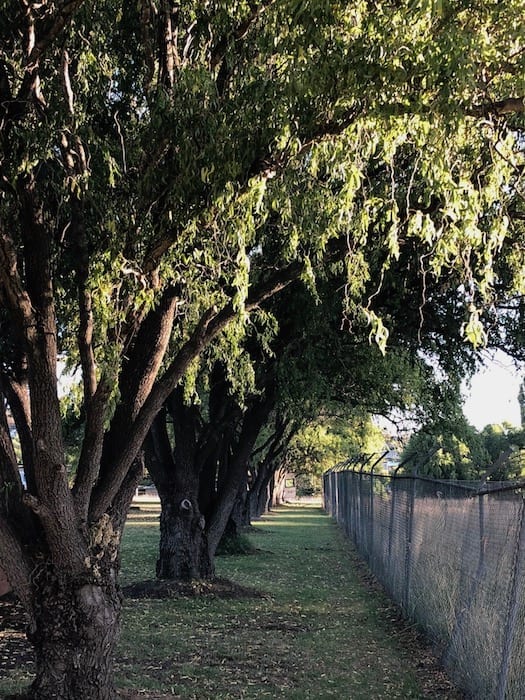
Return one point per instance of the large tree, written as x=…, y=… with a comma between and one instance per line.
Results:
x=165, y=168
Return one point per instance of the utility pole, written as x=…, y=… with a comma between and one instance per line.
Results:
x=521, y=400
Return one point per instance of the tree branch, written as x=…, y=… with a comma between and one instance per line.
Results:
x=17, y=395
x=210, y=325
x=92, y=445
x=218, y=52
x=510, y=105
x=17, y=298
x=9, y=476
x=36, y=49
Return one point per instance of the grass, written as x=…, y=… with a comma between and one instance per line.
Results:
x=319, y=631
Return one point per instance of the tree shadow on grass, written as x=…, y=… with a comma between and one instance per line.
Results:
x=215, y=588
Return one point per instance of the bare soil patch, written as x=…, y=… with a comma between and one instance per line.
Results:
x=216, y=588
x=15, y=650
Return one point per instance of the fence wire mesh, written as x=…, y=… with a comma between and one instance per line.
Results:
x=453, y=557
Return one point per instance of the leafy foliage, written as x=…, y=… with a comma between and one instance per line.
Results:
x=166, y=168
x=455, y=450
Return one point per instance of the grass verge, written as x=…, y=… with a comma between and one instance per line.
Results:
x=322, y=629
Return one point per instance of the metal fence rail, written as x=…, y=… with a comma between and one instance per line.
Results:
x=453, y=557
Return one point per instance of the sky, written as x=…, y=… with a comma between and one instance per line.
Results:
x=493, y=393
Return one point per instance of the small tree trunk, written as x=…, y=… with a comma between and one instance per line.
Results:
x=278, y=487
x=183, y=550
x=260, y=497
x=239, y=519
x=270, y=498
x=240, y=514
x=74, y=634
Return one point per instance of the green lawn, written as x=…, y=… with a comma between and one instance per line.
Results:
x=319, y=630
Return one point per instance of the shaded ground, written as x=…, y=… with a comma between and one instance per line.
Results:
x=304, y=620
x=15, y=651
x=219, y=588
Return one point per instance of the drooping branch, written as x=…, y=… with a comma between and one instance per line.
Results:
x=265, y=166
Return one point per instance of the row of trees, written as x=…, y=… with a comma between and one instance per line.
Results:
x=209, y=209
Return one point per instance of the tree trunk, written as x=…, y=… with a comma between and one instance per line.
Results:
x=278, y=487
x=240, y=514
x=270, y=496
x=238, y=521
x=5, y=586
x=74, y=633
x=259, y=499
x=183, y=550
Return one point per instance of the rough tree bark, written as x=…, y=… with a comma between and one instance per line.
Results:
x=74, y=630
x=183, y=548
x=183, y=545
x=253, y=420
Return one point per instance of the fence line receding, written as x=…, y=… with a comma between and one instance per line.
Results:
x=453, y=558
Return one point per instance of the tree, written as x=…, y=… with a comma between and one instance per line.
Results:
x=197, y=456
x=504, y=445
x=306, y=371
x=326, y=441
x=164, y=169
x=447, y=449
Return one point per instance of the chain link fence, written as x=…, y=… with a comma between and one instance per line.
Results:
x=452, y=555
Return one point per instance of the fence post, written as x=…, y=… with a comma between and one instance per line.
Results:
x=393, y=504
x=360, y=531
x=371, y=534
x=408, y=544
x=516, y=581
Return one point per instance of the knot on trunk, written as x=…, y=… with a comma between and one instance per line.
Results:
x=186, y=505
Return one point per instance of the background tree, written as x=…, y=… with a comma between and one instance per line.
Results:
x=505, y=447
x=449, y=448
x=326, y=441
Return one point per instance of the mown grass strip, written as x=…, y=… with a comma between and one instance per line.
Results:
x=319, y=632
